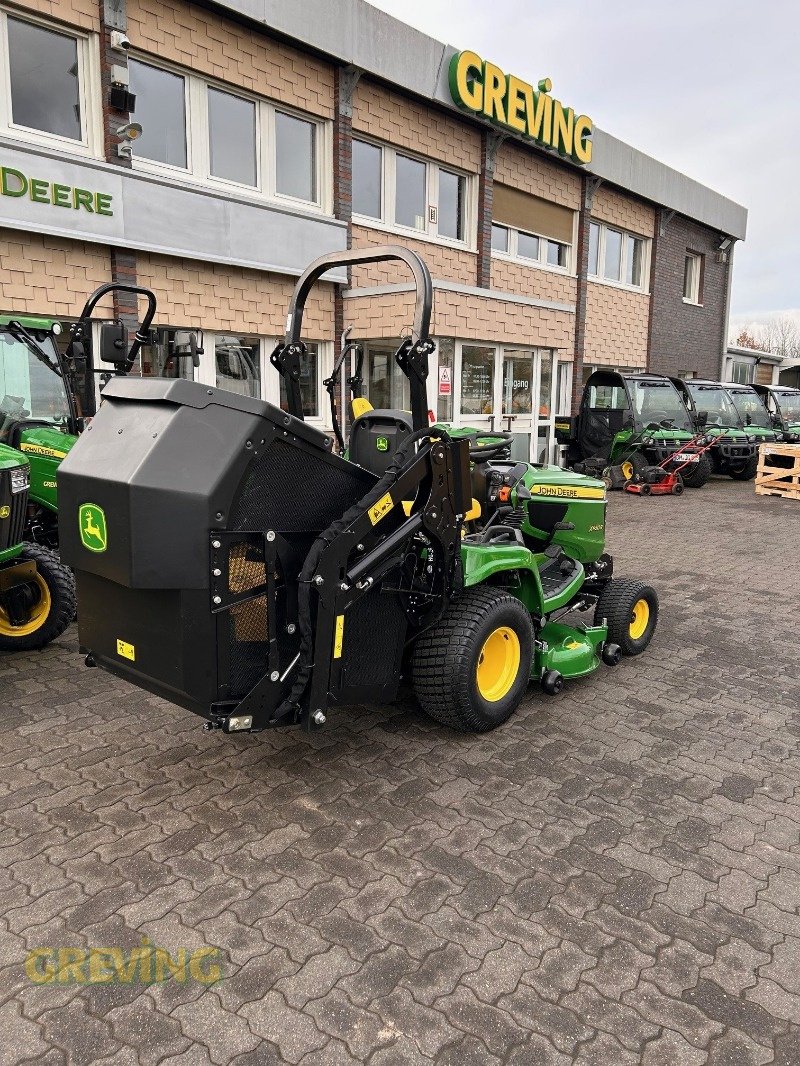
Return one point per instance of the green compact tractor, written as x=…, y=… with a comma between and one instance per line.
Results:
x=736, y=416
x=46, y=396
x=229, y=561
x=783, y=407
x=629, y=422
x=37, y=593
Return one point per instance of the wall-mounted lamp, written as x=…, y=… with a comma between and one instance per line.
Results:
x=131, y=131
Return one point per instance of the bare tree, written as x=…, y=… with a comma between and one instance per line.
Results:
x=781, y=337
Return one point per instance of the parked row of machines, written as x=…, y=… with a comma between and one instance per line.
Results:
x=247, y=573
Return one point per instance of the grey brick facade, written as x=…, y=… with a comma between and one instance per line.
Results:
x=687, y=338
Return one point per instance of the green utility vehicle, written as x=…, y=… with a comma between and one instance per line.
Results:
x=37, y=593
x=629, y=422
x=736, y=416
x=228, y=560
x=783, y=407
x=46, y=396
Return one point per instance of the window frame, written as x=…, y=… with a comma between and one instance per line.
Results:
x=512, y=255
x=627, y=236
x=198, y=143
x=89, y=88
x=696, y=299
x=386, y=222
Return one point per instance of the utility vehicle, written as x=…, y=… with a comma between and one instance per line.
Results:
x=228, y=560
x=631, y=422
x=735, y=415
x=46, y=396
x=37, y=593
x=783, y=406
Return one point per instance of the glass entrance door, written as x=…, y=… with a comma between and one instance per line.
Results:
x=517, y=399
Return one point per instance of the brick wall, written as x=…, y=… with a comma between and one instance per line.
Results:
x=389, y=116
x=216, y=297
x=616, y=326
x=50, y=276
x=619, y=209
x=211, y=44
x=685, y=337
x=532, y=281
x=82, y=13
x=452, y=264
x=532, y=174
x=465, y=317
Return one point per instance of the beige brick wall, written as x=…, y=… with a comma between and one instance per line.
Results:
x=464, y=317
x=216, y=297
x=620, y=210
x=451, y=264
x=392, y=117
x=49, y=276
x=616, y=326
x=530, y=281
x=526, y=170
x=82, y=13
x=210, y=44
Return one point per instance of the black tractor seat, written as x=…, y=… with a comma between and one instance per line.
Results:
x=376, y=436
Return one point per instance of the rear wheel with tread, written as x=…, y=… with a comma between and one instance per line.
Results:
x=744, y=471
x=630, y=609
x=471, y=670
x=52, y=607
x=695, y=475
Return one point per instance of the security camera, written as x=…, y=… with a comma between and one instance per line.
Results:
x=119, y=41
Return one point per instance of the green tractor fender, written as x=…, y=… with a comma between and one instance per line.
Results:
x=45, y=448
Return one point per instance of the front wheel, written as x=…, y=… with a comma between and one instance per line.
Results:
x=43, y=608
x=744, y=471
x=630, y=610
x=695, y=475
x=471, y=670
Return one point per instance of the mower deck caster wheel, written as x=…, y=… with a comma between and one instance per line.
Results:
x=611, y=654
x=90, y=660
x=552, y=682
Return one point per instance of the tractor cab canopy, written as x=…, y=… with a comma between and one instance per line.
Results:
x=750, y=405
x=613, y=402
x=782, y=403
x=715, y=404
x=31, y=384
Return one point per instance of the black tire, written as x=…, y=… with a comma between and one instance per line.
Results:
x=446, y=658
x=616, y=605
x=61, y=610
x=677, y=486
x=644, y=489
x=633, y=467
x=745, y=471
x=695, y=475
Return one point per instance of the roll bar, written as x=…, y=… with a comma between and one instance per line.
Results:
x=142, y=334
x=412, y=356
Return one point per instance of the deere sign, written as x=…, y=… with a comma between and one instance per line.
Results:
x=42, y=191
x=483, y=88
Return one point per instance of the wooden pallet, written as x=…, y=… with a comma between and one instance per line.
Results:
x=779, y=480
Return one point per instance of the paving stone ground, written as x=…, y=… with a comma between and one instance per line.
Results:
x=611, y=878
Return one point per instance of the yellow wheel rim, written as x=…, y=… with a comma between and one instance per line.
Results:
x=498, y=664
x=640, y=617
x=627, y=469
x=38, y=616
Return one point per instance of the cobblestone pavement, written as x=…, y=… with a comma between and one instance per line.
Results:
x=613, y=877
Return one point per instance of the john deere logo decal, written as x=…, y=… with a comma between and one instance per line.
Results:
x=5, y=511
x=382, y=444
x=92, y=522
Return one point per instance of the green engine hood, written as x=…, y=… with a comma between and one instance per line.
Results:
x=9, y=458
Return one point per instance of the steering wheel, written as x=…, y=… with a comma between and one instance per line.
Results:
x=500, y=442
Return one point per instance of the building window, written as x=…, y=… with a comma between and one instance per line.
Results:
x=215, y=134
x=405, y=192
x=49, y=75
x=692, y=275
x=742, y=371
x=617, y=256
x=531, y=229
x=232, y=137
x=237, y=364
x=161, y=111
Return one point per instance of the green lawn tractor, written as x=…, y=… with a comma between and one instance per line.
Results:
x=734, y=414
x=628, y=423
x=229, y=561
x=46, y=396
x=783, y=407
x=37, y=593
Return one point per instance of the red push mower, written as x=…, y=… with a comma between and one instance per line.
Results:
x=658, y=481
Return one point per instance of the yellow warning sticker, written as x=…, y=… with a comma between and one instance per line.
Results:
x=127, y=651
x=339, y=637
x=381, y=508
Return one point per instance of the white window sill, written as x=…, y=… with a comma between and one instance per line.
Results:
x=65, y=145
x=413, y=234
x=534, y=264
x=692, y=303
x=618, y=285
